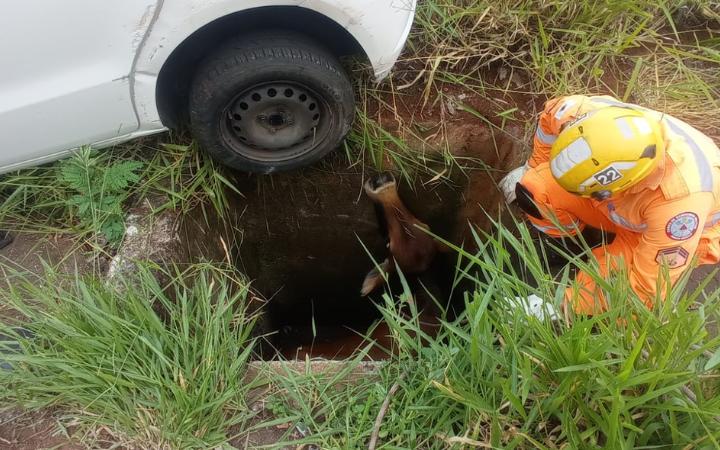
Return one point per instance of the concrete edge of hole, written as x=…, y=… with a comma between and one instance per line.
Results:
x=148, y=237
x=327, y=367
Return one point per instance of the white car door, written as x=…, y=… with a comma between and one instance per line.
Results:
x=65, y=71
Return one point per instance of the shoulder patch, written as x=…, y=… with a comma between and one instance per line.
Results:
x=674, y=257
x=682, y=226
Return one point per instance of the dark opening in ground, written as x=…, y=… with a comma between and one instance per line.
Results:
x=306, y=239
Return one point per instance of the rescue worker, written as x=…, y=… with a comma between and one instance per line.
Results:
x=649, y=178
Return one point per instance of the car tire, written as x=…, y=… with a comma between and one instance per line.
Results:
x=270, y=101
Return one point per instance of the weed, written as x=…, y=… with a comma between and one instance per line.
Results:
x=188, y=177
x=86, y=193
x=99, y=190
x=162, y=364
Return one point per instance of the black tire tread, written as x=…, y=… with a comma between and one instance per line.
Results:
x=286, y=49
x=241, y=51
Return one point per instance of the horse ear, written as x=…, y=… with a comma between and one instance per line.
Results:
x=374, y=278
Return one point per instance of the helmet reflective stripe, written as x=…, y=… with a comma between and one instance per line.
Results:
x=642, y=125
x=577, y=152
x=563, y=228
x=629, y=126
x=624, y=126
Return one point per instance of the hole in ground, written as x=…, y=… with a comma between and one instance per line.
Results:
x=304, y=240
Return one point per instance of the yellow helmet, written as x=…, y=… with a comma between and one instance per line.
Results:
x=606, y=151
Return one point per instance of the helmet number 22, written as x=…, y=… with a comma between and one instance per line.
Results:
x=607, y=176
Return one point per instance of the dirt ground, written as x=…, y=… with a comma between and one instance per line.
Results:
x=30, y=251
x=21, y=430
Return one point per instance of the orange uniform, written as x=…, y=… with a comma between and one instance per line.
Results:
x=668, y=218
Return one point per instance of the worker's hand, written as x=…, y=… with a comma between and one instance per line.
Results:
x=507, y=184
x=535, y=306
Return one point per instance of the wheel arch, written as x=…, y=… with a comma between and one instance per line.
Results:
x=176, y=73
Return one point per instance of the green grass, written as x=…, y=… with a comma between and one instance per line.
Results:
x=188, y=177
x=42, y=201
x=162, y=365
x=563, y=45
x=493, y=378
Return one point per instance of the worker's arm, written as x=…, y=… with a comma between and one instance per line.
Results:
x=557, y=112
x=670, y=239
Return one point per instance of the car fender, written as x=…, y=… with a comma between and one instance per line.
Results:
x=380, y=27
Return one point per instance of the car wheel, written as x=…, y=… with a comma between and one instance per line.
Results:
x=270, y=101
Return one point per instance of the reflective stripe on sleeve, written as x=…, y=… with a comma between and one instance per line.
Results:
x=713, y=220
x=551, y=228
x=545, y=138
x=703, y=166
x=622, y=221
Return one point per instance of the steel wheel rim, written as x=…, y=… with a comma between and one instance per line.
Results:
x=275, y=121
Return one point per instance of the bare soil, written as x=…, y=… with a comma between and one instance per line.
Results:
x=21, y=430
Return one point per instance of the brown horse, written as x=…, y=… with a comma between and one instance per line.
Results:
x=410, y=245
x=413, y=251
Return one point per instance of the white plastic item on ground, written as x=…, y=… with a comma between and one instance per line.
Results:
x=535, y=306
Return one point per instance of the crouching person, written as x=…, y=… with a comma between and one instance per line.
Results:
x=649, y=178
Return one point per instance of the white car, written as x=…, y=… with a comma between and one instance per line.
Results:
x=258, y=81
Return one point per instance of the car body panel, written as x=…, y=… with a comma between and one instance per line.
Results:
x=65, y=78
x=94, y=83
